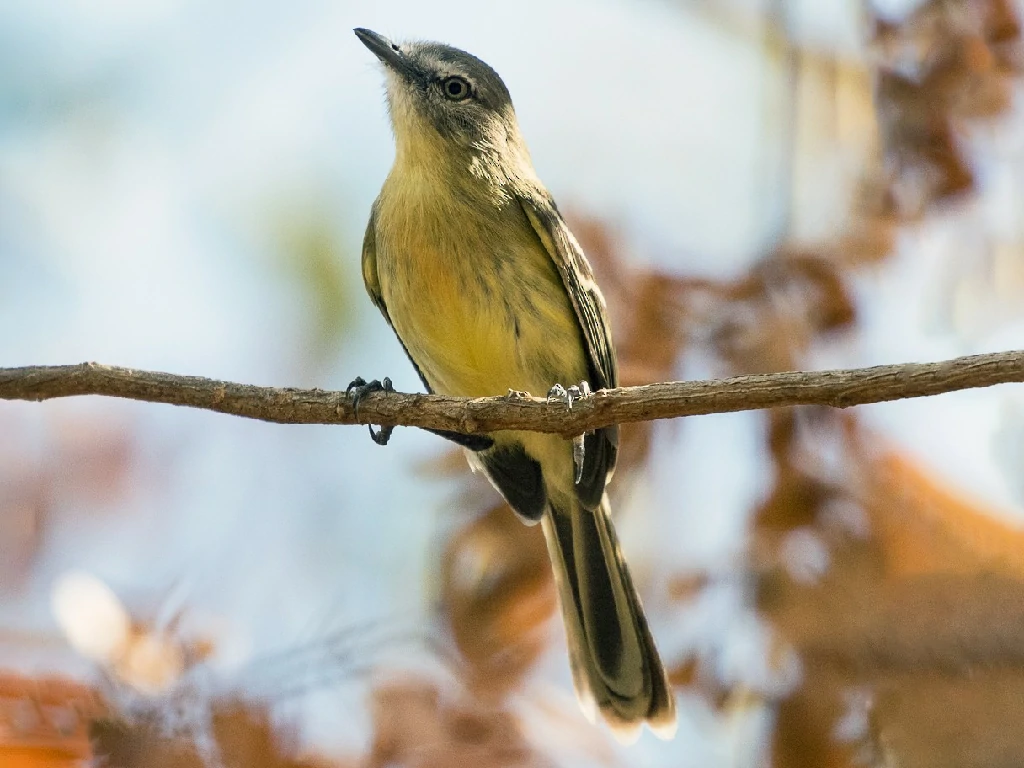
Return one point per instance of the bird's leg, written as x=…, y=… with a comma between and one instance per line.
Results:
x=360, y=388
x=569, y=396
x=578, y=455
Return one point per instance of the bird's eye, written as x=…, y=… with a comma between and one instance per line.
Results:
x=455, y=88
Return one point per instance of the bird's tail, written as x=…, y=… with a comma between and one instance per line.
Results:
x=615, y=665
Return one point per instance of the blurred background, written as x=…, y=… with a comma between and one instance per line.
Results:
x=762, y=185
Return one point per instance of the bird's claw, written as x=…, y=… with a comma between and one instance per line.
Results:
x=557, y=392
x=360, y=388
x=578, y=455
x=570, y=395
x=382, y=435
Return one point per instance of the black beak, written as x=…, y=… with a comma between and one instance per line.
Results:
x=388, y=52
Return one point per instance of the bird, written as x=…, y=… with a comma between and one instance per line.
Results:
x=471, y=264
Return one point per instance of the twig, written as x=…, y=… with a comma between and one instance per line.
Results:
x=840, y=389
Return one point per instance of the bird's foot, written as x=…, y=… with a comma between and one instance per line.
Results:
x=578, y=455
x=360, y=388
x=570, y=395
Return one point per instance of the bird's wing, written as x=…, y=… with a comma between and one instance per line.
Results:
x=601, y=447
x=370, y=277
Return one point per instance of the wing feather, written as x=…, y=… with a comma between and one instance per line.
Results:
x=601, y=447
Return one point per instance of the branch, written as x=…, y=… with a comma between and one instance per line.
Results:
x=838, y=389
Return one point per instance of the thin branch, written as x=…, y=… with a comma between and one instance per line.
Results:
x=839, y=389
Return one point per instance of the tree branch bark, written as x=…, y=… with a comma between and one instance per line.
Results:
x=839, y=389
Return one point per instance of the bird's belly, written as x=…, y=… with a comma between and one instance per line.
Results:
x=478, y=326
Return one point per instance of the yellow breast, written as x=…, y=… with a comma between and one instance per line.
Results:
x=472, y=293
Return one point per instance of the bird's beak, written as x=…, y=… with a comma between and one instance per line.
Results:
x=387, y=51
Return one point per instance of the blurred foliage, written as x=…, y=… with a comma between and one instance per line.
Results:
x=84, y=462
x=239, y=735
x=416, y=723
x=310, y=254
x=44, y=721
x=946, y=63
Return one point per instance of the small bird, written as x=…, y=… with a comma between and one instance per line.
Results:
x=473, y=267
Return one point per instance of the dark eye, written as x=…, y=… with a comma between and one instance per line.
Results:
x=455, y=88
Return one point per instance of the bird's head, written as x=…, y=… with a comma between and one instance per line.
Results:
x=444, y=100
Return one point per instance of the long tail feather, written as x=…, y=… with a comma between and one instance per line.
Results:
x=615, y=664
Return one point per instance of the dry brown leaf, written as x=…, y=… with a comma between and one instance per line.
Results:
x=924, y=525
x=498, y=595
x=417, y=726
x=240, y=734
x=44, y=721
